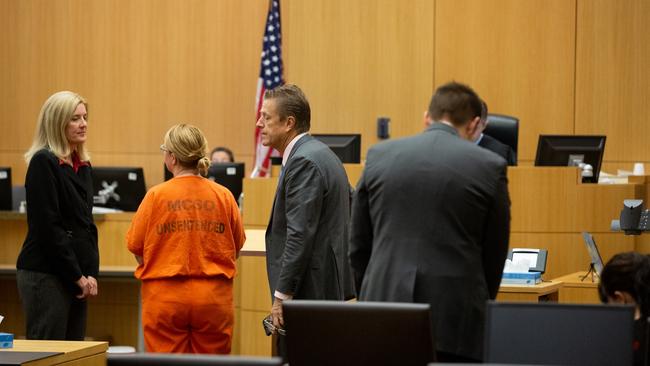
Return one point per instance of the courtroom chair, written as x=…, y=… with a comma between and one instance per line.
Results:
x=503, y=128
x=559, y=334
x=165, y=359
x=320, y=333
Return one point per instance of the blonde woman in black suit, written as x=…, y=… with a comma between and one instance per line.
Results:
x=59, y=260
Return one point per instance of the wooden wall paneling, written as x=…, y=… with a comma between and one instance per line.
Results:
x=258, y=201
x=259, y=194
x=579, y=295
x=518, y=55
x=143, y=66
x=354, y=172
x=551, y=199
x=15, y=160
x=11, y=240
x=255, y=293
x=612, y=77
x=113, y=314
x=358, y=60
x=543, y=208
x=253, y=342
x=112, y=240
x=598, y=204
x=254, y=305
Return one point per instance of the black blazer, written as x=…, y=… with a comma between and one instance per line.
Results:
x=496, y=146
x=307, y=236
x=61, y=236
x=430, y=224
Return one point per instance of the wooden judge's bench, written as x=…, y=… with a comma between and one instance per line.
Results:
x=550, y=210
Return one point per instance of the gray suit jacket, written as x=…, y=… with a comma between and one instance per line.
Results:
x=307, y=236
x=430, y=224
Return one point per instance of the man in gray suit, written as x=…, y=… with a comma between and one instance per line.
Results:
x=430, y=223
x=307, y=236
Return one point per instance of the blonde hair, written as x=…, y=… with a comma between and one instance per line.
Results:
x=51, y=125
x=188, y=144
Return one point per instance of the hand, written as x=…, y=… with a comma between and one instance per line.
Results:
x=276, y=314
x=83, y=284
x=94, y=287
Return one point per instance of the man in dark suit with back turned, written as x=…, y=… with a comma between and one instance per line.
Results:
x=307, y=236
x=430, y=223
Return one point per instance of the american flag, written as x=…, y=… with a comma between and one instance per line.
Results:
x=270, y=77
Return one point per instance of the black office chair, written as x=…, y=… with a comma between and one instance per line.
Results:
x=326, y=333
x=503, y=128
x=559, y=334
x=162, y=359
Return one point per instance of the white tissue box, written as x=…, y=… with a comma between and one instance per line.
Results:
x=518, y=278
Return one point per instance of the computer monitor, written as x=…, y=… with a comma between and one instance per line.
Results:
x=362, y=333
x=559, y=334
x=6, y=202
x=120, y=188
x=571, y=150
x=229, y=175
x=346, y=146
x=594, y=254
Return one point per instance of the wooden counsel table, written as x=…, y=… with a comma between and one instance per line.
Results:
x=68, y=353
x=545, y=291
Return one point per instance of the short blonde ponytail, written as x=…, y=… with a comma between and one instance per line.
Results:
x=202, y=165
x=189, y=146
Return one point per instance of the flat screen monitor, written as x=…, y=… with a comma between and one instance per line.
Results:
x=346, y=147
x=559, y=334
x=229, y=175
x=119, y=188
x=363, y=333
x=6, y=202
x=594, y=254
x=571, y=150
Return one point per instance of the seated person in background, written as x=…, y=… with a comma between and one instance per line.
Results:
x=489, y=142
x=221, y=155
x=626, y=280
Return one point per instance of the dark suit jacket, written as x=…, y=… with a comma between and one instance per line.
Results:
x=307, y=236
x=61, y=236
x=430, y=224
x=496, y=146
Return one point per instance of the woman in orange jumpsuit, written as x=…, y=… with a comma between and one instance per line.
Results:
x=186, y=236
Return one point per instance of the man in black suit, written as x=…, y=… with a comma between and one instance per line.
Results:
x=489, y=142
x=307, y=235
x=430, y=223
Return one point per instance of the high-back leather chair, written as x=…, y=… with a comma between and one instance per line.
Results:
x=503, y=128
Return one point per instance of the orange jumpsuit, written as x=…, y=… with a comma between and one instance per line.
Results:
x=188, y=232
